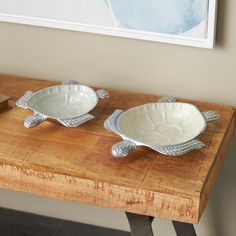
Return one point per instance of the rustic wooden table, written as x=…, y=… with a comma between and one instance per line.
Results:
x=76, y=163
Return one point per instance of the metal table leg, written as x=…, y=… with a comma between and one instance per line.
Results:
x=184, y=229
x=140, y=225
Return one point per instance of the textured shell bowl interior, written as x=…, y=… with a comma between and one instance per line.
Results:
x=162, y=123
x=64, y=102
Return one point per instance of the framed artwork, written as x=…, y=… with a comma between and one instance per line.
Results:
x=184, y=22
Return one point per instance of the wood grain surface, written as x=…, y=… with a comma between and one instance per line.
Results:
x=76, y=163
x=3, y=101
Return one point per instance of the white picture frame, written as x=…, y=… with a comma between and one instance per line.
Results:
x=207, y=42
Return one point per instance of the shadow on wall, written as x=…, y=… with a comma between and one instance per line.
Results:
x=221, y=22
x=223, y=198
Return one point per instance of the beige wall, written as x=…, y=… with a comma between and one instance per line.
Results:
x=134, y=65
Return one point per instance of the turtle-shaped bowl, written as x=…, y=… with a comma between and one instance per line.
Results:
x=69, y=104
x=167, y=127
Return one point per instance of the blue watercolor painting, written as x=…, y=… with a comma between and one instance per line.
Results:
x=161, y=16
x=130, y=18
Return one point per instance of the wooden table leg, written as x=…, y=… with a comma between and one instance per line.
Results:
x=184, y=229
x=140, y=225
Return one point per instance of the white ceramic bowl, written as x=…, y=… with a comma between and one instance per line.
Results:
x=64, y=102
x=68, y=104
x=167, y=127
x=162, y=123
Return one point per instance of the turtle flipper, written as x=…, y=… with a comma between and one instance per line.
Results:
x=22, y=102
x=122, y=149
x=34, y=120
x=70, y=82
x=211, y=115
x=77, y=121
x=168, y=99
x=102, y=94
x=111, y=123
x=180, y=149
